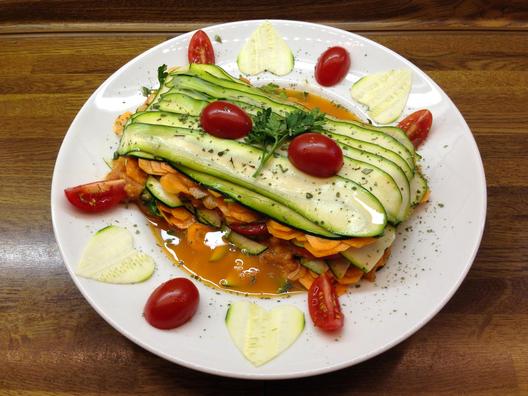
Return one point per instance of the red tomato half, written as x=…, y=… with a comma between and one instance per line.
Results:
x=98, y=196
x=417, y=126
x=332, y=66
x=200, y=49
x=172, y=304
x=225, y=120
x=250, y=229
x=315, y=154
x=323, y=304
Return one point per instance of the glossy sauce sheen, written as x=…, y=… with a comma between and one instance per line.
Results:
x=235, y=271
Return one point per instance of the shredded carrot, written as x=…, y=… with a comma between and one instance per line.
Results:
x=281, y=231
x=156, y=168
x=214, y=193
x=172, y=183
x=353, y=275
x=328, y=252
x=234, y=212
x=196, y=233
x=426, y=197
x=178, y=217
x=119, y=123
x=358, y=242
x=341, y=289
x=134, y=172
x=306, y=280
x=322, y=244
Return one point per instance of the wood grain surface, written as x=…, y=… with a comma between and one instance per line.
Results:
x=53, y=342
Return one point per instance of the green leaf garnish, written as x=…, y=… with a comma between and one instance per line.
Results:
x=270, y=131
x=162, y=74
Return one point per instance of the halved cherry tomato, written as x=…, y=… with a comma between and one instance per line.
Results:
x=417, y=126
x=323, y=304
x=172, y=304
x=225, y=120
x=97, y=196
x=200, y=49
x=250, y=229
x=332, y=66
x=315, y=154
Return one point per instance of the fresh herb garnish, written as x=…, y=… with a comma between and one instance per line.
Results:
x=271, y=131
x=274, y=89
x=218, y=39
x=285, y=286
x=145, y=91
x=162, y=74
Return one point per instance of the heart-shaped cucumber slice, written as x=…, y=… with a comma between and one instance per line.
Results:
x=261, y=335
x=110, y=257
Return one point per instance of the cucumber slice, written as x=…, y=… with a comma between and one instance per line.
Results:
x=246, y=245
x=265, y=51
x=339, y=267
x=365, y=258
x=385, y=94
x=155, y=188
x=110, y=257
x=418, y=189
x=209, y=217
x=317, y=266
x=262, y=335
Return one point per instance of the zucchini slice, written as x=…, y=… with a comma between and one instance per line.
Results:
x=352, y=212
x=385, y=94
x=265, y=51
x=262, y=335
x=258, y=202
x=338, y=267
x=315, y=265
x=365, y=258
x=246, y=245
x=155, y=188
x=419, y=188
x=110, y=257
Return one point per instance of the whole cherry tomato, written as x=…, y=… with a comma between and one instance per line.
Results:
x=323, y=304
x=200, y=49
x=250, y=229
x=417, y=126
x=97, y=196
x=172, y=304
x=315, y=154
x=332, y=66
x=225, y=120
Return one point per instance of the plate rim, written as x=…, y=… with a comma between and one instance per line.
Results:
x=301, y=373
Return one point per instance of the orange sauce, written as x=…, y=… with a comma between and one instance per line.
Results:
x=235, y=271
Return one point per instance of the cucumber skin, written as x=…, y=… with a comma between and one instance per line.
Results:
x=181, y=146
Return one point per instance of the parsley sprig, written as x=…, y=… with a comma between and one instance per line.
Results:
x=271, y=131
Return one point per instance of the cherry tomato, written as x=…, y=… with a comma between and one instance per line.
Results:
x=200, y=49
x=332, y=66
x=172, y=304
x=323, y=304
x=315, y=154
x=417, y=126
x=225, y=120
x=98, y=196
x=250, y=229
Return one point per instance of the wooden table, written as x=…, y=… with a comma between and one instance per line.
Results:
x=53, y=54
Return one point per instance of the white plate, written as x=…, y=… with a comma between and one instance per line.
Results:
x=428, y=263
